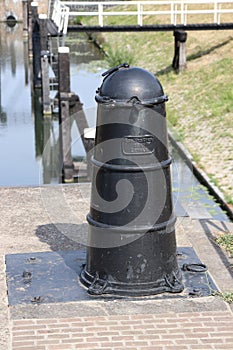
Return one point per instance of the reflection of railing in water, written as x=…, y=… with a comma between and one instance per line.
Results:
x=68, y=102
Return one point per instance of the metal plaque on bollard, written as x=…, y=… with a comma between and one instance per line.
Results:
x=131, y=240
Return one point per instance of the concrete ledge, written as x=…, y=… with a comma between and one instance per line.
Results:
x=118, y=307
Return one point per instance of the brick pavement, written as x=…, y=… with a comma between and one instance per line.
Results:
x=190, y=330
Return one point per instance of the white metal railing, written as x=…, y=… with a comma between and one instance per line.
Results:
x=59, y=15
x=177, y=10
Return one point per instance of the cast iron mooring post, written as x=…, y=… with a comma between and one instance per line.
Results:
x=132, y=244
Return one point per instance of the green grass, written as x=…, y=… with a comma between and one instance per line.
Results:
x=226, y=296
x=200, y=106
x=226, y=241
x=117, y=57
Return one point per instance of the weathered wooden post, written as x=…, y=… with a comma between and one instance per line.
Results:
x=25, y=17
x=43, y=32
x=26, y=61
x=64, y=113
x=45, y=83
x=44, y=64
x=32, y=14
x=179, y=60
x=36, y=48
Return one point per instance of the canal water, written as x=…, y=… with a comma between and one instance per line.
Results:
x=29, y=144
x=23, y=133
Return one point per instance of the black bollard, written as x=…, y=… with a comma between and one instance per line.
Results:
x=131, y=239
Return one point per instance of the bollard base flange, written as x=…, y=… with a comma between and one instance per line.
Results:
x=98, y=286
x=52, y=277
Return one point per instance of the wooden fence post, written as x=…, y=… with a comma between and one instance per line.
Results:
x=182, y=56
x=43, y=32
x=179, y=60
x=64, y=112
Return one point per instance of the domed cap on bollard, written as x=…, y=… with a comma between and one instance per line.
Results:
x=124, y=83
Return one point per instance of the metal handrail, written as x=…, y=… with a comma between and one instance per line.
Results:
x=60, y=16
x=178, y=10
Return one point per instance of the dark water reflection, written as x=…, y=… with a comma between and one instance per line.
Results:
x=23, y=132
x=16, y=125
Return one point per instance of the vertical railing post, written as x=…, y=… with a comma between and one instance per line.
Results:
x=219, y=13
x=66, y=21
x=175, y=14
x=182, y=12
x=140, y=9
x=100, y=14
x=215, y=11
x=185, y=14
x=172, y=13
x=64, y=113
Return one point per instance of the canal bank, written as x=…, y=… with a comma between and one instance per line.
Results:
x=200, y=169
x=30, y=143
x=200, y=99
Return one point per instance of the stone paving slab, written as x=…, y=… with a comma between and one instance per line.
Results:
x=48, y=219
x=155, y=305
x=49, y=277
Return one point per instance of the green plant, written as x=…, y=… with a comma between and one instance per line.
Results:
x=116, y=57
x=173, y=117
x=200, y=106
x=78, y=20
x=213, y=180
x=226, y=296
x=196, y=157
x=229, y=199
x=226, y=241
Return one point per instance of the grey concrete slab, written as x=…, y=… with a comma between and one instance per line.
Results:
x=118, y=307
x=53, y=218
